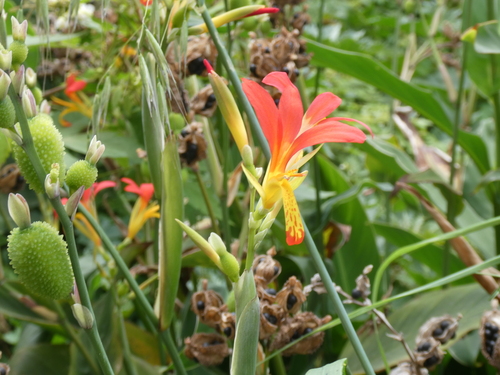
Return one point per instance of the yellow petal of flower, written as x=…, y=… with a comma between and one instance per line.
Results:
x=293, y=221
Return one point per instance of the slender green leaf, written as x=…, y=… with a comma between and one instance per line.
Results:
x=336, y=368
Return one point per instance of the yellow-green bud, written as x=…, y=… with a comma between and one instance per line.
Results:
x=19, y=53
x=230, y=266
x=5, y=59
x=230, y=302
x=29, y=103
x=17, y=77
x=39, y=256
x=50, y=149
x=38, y=94
x=470, y=34
x=81, y=173
x=30, y=78
x=52, y=186
x=83, y=316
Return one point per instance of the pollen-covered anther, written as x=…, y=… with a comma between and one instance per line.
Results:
x=207, y=305
x=209, y=349
x=265, y=269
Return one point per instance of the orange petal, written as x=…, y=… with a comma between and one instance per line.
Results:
x=293, y=221
x=279, y=80
x=322, y=106
x=291, y=113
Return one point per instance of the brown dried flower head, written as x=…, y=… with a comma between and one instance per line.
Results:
x=266, y=294
x=293, y=328
x=199, y=48
x=271, y=317
x=441, y=328
x=265, y=269
x=192, y=144
x=204, y=102
x=428, y=353
x=209, y=349
x=362, y=289
x=207, y=305
x=408, y=368
x=227, y=325
x=489, y=331
x=291, y=297
x=300, y=19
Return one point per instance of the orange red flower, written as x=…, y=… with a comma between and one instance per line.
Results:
x=79, y=102
x=288, y=131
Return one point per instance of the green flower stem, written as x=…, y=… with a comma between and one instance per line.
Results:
x=140, y=297
x=67, y=225
x=208, y=203
x=251, y=233
x=415, y=246
x=337, y=303
x=74, y=336
x=233, y=77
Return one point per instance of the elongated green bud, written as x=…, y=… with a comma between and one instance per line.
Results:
x=19, y=210
x=50, y=149
x=228, y=263
x=82, y=315
x=39, y=256
x=81, y=173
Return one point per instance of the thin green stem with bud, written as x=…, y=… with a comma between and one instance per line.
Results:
x=251, y=232
x=67, y=225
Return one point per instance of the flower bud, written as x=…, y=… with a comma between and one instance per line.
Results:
x=95, y=151
x=83, y=316
x=38, y=94
x=52, y=185
x=30, y=78
x=49, y=146
x=19, y=30
x=19, y=53
x=229, y=264
x=18, y=79
x=7, y=110
x=45, y=107
x=5, y=59
x=19, y=210
x=81, y=173
x=73, y=201
x=39, y=256
x=29, y=103
x=247, y=156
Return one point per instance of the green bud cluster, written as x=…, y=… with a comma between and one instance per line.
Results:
x=49, y=147
x=39, y=256
x=81, y=173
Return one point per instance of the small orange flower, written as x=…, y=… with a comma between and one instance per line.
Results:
x=142, y=210
x=79, y=101
x=288, y=131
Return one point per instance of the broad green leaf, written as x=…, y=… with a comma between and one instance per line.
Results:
x=362, y=244
x=487, y=40
x=143, y=344
x=491, y=176
x=40, y=359
x=367, y=69
x=465, y=351
x=469, y=300
x=336, y=368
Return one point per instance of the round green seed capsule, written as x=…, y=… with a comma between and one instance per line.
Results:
x=39, y=256
x=7, y=113
x=49, y=147
x=81, y=173
x=19, y=53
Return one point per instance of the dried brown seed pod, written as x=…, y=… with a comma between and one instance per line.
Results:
x=300, y=19
x=316, y=285
x=192, y=144
x=204, y=102
x=265, y=269
x=227, y=325
x=408, y=368
x=362, y=289
x=291, y=297
x=441, y=328
x=266, y=294
x=4, y=369
x=199, y=48
x=271, y=317
x=11, y=180
x=428, y=354
x=293, y=328
x=489, y=331
x=207, y=305
x=209, y=349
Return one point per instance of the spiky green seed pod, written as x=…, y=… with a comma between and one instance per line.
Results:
x=49, y=147
x=39, y=256
x=19, y=53
x=7, y=113
x=81, y=173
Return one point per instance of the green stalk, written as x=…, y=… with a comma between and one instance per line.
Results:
x=67, y=226
x=3, y=33
x=251, y=233
x=452, y=202
x=127, y=354
x=415, y=246
x=74, y=336
x=337, y=303
x=140, y=297
x=208, y=203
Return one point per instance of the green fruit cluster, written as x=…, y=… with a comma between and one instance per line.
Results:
x=7, y=113
x=49, y=147
x=81, y=173
x=39, y=256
